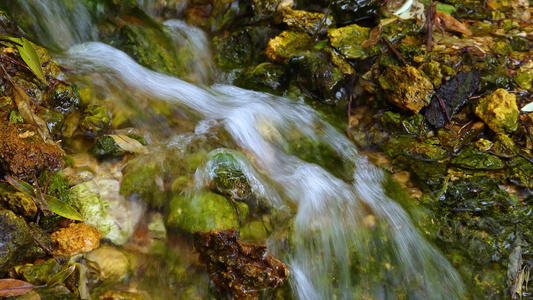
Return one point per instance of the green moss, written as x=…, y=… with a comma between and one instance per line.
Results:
x=54, y=120
x=38, y=274
x=347, y=40
x=427, y=150
x=472, y=158
x=499, y=111
x=95, y=120
x=15, y=117
x=204, y=212
x=105, y=147
x=288, y=45
x=228, y=177
x=139, y=181
x=520, y=171
x=267, y=77
x=243, y=47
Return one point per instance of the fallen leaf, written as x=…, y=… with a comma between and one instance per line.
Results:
x=129, y=144
x=30, y=56
x=14, y=287
x=450, y=23
x=528, y=107
x=62, y=208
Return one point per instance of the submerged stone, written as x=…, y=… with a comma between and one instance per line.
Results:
x=287, y=45
x=499, y=111
x=228, y=177
x=54, y=120
x=109, y=263
x=406, y=88
x=204, y=211
x=458, y=137
x=427, y=150
x=95, y=120
x=38, y=273
x=139, y=182
x=236, y=268
x=504, y=146
x=105, y=147
x=102, y=206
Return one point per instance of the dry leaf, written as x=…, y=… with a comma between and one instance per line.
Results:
x=450, y=23
x=129, y=144
x=14, y=287
x=22, y=100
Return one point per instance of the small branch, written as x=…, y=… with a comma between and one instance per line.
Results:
x=431, y=21
x=443, y=107
x=391, y=46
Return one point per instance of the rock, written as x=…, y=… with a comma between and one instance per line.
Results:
x=106, y=147
x=236, y=268
x=30, y=88
x=54, y=120
x=471, y=158
x=139, y=182
x=95, y=120
x=204, y=211
x=457, y=137
x=427, y=150
x=63, y=98
x=268, y=77
x=39, y=273
x=499, y=111
x=243, y=47
x=102, y=206
x=406, y=88
x=75, y=239
x=347, y=40
x=16, y=240
x=504, y=146
x=228, y=178
x=109, y=263
x=287, y=45
x=318, y=79
x=19, y=203
x=304, y=21
x=520, y=171
x=22, y=158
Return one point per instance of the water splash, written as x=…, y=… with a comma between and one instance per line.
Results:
x=333, y=245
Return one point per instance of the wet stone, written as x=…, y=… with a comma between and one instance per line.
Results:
x=520, y=171
x=287, y=45
x=499, y=111
x=472, y=158
x=236, y=268
x=406, y=88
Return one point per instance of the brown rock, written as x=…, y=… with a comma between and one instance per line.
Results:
x=75, y=239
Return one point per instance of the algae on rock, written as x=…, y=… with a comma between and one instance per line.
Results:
x=499, y=111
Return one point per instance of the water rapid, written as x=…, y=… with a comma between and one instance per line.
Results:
x=330, y=234
x=348, y=238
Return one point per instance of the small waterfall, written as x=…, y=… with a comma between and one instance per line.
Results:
x=332, y=234
x=55, y=24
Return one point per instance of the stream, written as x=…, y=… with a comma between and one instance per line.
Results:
x=349, y=238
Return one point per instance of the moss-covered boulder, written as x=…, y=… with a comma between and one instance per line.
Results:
x=139, y=182
x=105, y=147
x=204, y=211
x=268, y=77
x=499, y=111
x=38, y=273
x=406, y=88
x=16, y=240
x=287, y=45
x=520, y=171
x=101, y=205
x=19, y=203
x=63, y=98
x=347, y=40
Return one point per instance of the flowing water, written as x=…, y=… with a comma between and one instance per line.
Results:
x=348, y=238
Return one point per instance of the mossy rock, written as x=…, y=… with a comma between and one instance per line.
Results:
x=63, y=98
x=520, y=171
x=471, y=158
x=96, y=119
x=347, y=40
x=204, y=211
x=267, y=77
x=139, y=181
x=287, y=45
x=499, y=111
x=406, y=88
x=243, y=47
x=427, y=150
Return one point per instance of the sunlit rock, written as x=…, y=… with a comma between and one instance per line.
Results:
x=347, y=40
x=287, y=45
x=499, y=111
x=75, y=239
x=406, y=88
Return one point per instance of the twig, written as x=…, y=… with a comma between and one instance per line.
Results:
x=527, y=129
x=431, y=21
x=48, y=180
x=43, y=246
x=391, y=46
x=463, y=132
